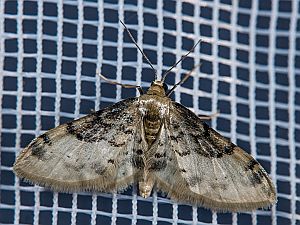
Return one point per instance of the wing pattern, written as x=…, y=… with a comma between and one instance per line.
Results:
x=207, y=169
x=92, y=153
x=108, y=150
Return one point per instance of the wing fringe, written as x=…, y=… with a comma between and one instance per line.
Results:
x=100, y=184
x=179, y=195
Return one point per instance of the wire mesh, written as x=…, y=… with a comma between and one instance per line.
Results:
x=50, y=52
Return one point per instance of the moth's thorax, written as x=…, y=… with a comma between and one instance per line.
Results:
x=154, y=110
x=157, y=88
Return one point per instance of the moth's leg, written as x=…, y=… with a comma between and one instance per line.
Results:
x=209, y=117
x=123, y=85
x=140, y=90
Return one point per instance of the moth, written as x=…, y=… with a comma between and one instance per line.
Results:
x=150, y=141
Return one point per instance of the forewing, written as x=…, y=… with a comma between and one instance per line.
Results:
x=91, y=153
x=209, y=170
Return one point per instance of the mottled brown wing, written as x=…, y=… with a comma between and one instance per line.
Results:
x=92, y=153
x=206, y=169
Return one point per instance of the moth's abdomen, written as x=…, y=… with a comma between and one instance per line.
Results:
x=152, y=125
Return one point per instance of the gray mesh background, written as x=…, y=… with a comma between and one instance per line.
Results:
x=51, y=50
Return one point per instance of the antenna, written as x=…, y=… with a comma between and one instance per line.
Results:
x=180, y=60
x=144, y=55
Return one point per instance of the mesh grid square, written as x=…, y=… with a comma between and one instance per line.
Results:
x=51, y=51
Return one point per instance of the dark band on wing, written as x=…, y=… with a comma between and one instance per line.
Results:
x=46, y=139
x=37, y=151
x=252, y=164
x=211, y=144
x=157, y=165
x=38, y=146
x=229, y=149
x=138, y=162
x=94, y=127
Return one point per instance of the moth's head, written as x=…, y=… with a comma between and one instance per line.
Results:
x=158, y=87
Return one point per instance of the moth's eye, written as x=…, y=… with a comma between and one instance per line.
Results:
x=165, y=87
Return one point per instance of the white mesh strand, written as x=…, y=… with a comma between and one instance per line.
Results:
x=51, y=50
